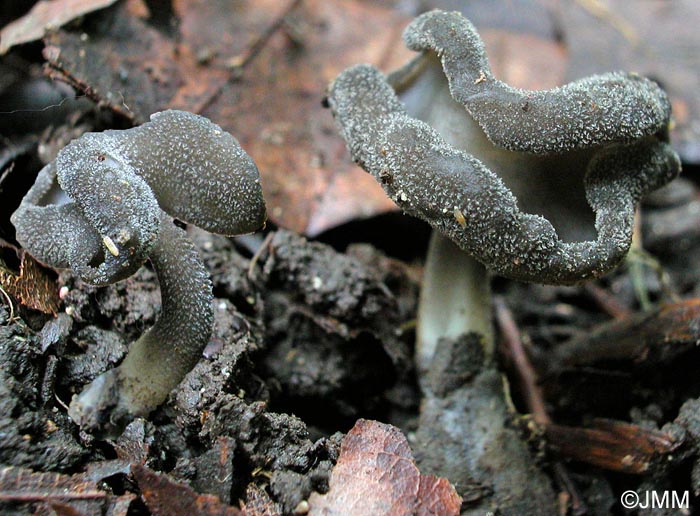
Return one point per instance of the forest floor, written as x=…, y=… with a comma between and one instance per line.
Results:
x=309, y=375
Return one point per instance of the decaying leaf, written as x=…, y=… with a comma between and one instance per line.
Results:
x=165, y=497
x=135, y=69
x=376, y=474
x=612, y=445
x=275, y=109
x=258, y=502
x=33, y=287
x=46, y=15
x=23, y=485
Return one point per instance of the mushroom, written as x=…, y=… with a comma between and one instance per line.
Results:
x=106, y=204
x=459, y=196
x=608, y=128
x=437, y=151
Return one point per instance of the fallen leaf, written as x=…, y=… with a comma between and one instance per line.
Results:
x=32, y=287
x=376, y=474
x=274, y=109
x=127, y=66
x=258, y=502
x=612, y=445
x=44, y=16
x=135, y=69
x=165, y=497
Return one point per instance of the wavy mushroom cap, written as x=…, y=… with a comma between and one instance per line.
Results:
x=615, y=107
x=122, y=188
x=459, y=196
x=119, y=181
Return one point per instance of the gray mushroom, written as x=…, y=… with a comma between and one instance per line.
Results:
x=596, y=110
x=460, y=197
x=106, y=204
x=452, y=150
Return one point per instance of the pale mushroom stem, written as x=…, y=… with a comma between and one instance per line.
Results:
x=455, y=296
x=162, y=356
x=455, y=299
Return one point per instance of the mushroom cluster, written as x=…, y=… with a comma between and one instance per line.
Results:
x=106, y=204
x=619, y=119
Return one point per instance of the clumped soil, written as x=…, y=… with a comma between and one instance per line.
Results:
x=306, y=341
x=312, y=335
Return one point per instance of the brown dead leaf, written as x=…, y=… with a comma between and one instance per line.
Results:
x=165, y=497
x=217, y=38
x=275, y=110
x=46, y=15
x=376, y=474
x=258, y=502
x=612, y=445
x=135, y=69
x=32, y=287
x=128, y=66
x=23, y=485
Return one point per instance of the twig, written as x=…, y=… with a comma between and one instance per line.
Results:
x=607, y=302
x=533, y=395
x=652, y=337
x=526, y=373
x=256, y=257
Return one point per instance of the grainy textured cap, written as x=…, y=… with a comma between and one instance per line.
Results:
x=601, y=109
x=117, y=203
x=198, y=172
x=57, y=235
x=459, y=196
x=120, y=184
x=119, y=181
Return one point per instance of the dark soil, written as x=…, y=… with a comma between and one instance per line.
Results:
x=311, y=335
